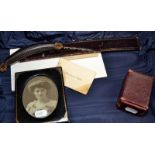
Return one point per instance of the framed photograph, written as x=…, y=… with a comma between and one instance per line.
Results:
x=40, y=96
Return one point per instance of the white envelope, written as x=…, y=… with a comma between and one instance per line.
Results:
x=94, y=63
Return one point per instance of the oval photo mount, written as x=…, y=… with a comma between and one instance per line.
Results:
x=40, y=96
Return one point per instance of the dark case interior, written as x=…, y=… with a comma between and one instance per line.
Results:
x=55, y=74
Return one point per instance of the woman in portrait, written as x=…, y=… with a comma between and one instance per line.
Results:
x=42, y=102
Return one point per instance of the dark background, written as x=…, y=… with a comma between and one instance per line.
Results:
x=100, y=103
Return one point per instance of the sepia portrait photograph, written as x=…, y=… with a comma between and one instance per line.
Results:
x=40, y=96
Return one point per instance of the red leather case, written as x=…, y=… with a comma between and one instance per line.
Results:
x=135, y=94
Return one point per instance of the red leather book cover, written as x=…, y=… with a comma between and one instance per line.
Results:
x=136, y=92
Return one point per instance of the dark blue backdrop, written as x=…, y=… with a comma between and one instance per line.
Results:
x=100, y=103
